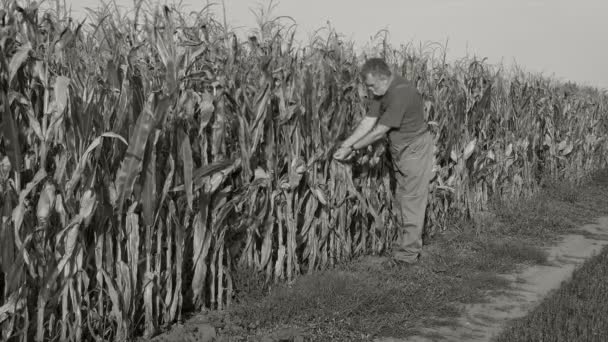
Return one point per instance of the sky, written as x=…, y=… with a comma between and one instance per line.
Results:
x=564, y=39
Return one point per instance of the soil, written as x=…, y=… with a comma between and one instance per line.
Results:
x=480, y=322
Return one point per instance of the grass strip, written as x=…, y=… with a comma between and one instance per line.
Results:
x=576, y=311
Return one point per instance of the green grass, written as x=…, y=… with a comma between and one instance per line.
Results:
x=577, y=311
x=363, y=299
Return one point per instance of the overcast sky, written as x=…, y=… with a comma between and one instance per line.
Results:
x=563, y=38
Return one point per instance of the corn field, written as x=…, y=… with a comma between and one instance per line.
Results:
x=146, y=161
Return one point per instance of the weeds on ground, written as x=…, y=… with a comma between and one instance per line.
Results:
x=363, y=299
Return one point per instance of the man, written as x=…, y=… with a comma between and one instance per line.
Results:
x=396, y=109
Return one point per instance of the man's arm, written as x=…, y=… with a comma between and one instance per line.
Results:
x=376, y=134
x=364, y=127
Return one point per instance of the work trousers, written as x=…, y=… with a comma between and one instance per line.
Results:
x=413, y=173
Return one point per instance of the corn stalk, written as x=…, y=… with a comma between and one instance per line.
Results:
x=144, y=161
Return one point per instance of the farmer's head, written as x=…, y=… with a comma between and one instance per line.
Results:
x=376, y=75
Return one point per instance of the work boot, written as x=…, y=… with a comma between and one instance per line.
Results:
x=404, y=257
x=398, y=260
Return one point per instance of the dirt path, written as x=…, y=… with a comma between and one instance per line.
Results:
x=481, y=322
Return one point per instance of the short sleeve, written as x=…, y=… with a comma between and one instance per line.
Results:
x=396, y=107
x=373, y=109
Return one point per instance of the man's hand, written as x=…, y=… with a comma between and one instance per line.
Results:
x=344, y=153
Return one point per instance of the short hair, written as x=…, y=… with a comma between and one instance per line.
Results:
x=375, y=67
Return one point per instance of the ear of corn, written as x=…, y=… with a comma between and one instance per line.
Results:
x=157, y=159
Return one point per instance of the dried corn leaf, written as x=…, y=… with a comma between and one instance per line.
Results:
x=188, y=165
x=218, y=170
x=77, y=174
x=14, y=304
x=115, y=297
x=27, y=106
x=18, y=59
x=62, y=88
x=149, y=192
x=468, y=150
x=206, y=108
x=131, y=164
x=133, y=246
x=202, y=242
x=10, y=132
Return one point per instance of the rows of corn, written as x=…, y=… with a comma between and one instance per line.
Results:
x=145, y=162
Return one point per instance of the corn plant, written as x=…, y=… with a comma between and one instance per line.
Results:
x=145, y=159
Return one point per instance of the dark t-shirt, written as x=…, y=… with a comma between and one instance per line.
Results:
x=400, y=108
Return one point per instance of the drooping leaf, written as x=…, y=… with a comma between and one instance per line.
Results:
x=167, y=185
x=7, y=243
x=88, y=203
x=11, y=134
x=150, y=323
x=202, y=241
x=175, y=306
x=77, y=174
x=161, y=109
x=46, y=202
x=245, y=141
x=260, y=174
x=206, y=108
x=186, y=156
x=258, y=124
x=125, y=286
x=115, y=297
x=132, y=163
x=14, y=304
x=70, y=236
x=19, y=211
x=115, y=136
x=166, y=49
x=319, y=195
x=187, y=103
x=198, y=176
x=133, y=234
x=454, y=156
x=40, y=71
x=18, y=59
x=62, y=89
x=149, y=192
x=113, y=79
x=5, y=169
x=509, y=150
x=137, y=97
x=468, y=150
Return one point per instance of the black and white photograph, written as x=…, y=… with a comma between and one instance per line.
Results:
x=303, y=171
